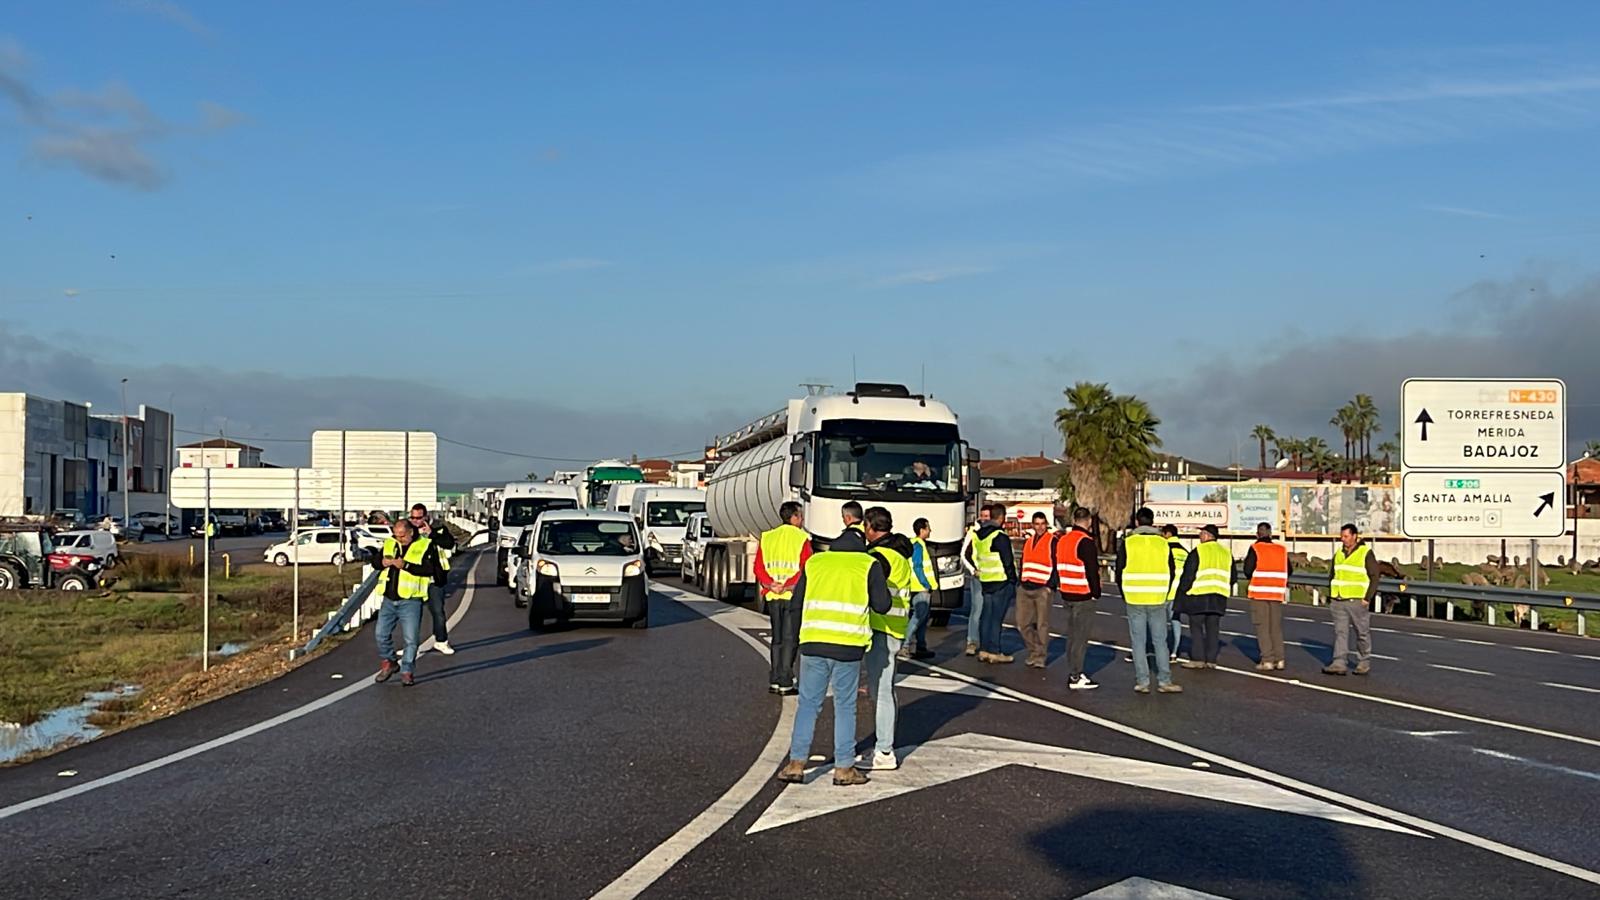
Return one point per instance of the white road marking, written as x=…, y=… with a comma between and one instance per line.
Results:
x=1309, y=645
x=1387, y=630
x=1529, y=649
x=1424, y=634
x=1459, y=669
x=1431, y=734
x=1299, y=619
x=938, y=685
x=1415, y=822
x=657, y=862
x=1522, y=760
x=1586, y=656
x=1479, y=643
x=229, y=738
x=1570, y=687
x=1147, y=889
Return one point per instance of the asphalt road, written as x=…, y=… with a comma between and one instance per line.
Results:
x=593, y=760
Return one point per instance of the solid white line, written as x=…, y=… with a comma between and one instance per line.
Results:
x=1420, y=824
x=229, y=738
x=668, y=853
x=1584, y=656
x=1570, y=687
x=1459, y=669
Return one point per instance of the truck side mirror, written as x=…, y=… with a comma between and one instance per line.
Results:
x=974, y=478
x=973, y=456
x=797, y=474
x=797, y=447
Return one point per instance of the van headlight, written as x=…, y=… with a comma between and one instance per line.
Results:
x=947, y=565
x=548, y=569
x=632, y=569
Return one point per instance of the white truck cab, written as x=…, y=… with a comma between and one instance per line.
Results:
x=520, y=503
x=663, y=516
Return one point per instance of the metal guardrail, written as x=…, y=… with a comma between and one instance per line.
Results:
x=1518, y=596
x=351, y=604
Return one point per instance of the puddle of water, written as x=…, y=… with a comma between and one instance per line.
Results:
x=57, y=726
x=228, y=649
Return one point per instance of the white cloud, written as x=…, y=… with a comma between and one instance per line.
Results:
x=930, y=276
x=70, y=292
x=173, y=14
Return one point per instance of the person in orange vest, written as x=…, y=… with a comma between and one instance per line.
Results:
x=1038, y=585
x=1078, y=577
x=1266, y=569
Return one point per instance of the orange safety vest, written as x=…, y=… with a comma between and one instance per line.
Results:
x=1036, y=558
x=1072, y=573
x=1270, y=581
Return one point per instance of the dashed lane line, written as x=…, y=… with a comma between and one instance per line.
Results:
x=1460, y=669
x=1570, y=687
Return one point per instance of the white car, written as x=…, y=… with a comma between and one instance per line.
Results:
x=694, y=548
x=101, y=545
x=318, y=546
x=583, y=564
x=114, y=526
x=158, y=523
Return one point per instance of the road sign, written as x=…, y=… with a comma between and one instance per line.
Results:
x=254, y=488
x=380, y=469
x=1187, y=514
x=1457, y=424
x=1483, y=504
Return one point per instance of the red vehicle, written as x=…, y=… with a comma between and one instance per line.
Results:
x=76, y=571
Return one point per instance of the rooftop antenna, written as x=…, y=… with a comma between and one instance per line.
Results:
x=853, y=377
x=923, y=387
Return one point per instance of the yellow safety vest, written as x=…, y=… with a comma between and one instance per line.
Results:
x=1214, y=573
x=1350, y=581
x=836, y=607
x=1179, y=554
x=412, y=587
x=780, y=553
x=901, y=583
x=1147, y=578
x=987, y=558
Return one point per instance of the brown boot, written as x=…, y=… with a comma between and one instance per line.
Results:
x=847, y=777
x=793, y=771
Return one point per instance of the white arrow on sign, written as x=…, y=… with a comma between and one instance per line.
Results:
x=953, y=758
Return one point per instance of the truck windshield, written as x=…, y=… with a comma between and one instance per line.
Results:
x=872, y=458
x=581, y=537
x=522, y=511
x=671, y=513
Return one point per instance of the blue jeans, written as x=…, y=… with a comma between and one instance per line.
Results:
x=996, y=604
x=816, y=674
x=974, y=608
x=880, y=674
x=917, y=628
x=1149, y=623
x=409, y=614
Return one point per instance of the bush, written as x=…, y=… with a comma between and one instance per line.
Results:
x=156, y=572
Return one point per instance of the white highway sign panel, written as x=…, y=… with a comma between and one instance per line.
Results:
x=255, y=488
x=1484, y=504
x=1493, y=423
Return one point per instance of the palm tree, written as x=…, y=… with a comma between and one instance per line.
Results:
x=1591, y=449
x=1390, y=451
x=1344, y=420
x=1315, y=456
x=1290, y=448
x=1263, y=434
x=1365, y=418
x=1110, y=443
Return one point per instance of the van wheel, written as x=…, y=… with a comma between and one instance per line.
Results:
x=338, y=559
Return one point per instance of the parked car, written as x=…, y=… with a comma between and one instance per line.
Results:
x=694, y=549
x=198, y=529
x=584, y=564
x=94, y=542
x=158, y=523
x=318, y=546
x=232, y=521
x=132, y=531
x=69, y=518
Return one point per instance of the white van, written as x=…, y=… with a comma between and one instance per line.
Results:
x=583, y=564
x=100, y=544
x=695, y=535
x=621, y=496
x=520, y=503
x=663, y=517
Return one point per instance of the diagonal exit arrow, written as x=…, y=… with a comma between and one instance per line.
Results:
x=1424, y=420
x=1549, y=501
x=962, y=756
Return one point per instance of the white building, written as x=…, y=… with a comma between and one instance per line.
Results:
x=218, y=453
x=55, y=455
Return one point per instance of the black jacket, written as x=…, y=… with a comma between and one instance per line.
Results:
x=428, y=568
x=1089, y=550
x=1201, y=604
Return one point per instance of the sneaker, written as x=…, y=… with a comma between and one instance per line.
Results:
x=1002, y=658
x=1278, y=665
x=788, y=690
x=1192, y=664
x=444, y=647
x=1141, y=689
x=1335, y=670
x=1211, y=665
x=924, y=653
x=793, y=771
x=774, y=689
x=1363, y=667
x=885, y=762
x=386, y=669
x=1173, y=658
x=1081, y=683
x=903, y=653
x=1036, y=663
x=1127, y=657
x=972, y=648
x=1170, y=689
x=1263, y=667
x=407, y=679
x=849, y=776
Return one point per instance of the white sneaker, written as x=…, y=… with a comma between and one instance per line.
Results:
x=884, y=762
x=1081, y=683
x=444, y=647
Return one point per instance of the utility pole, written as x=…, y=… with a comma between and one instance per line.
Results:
x=127, y=457
x=172, y=458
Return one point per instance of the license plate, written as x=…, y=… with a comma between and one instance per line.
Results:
x=591, y=598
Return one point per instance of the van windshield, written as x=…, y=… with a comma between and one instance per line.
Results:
x=671, y=513
x=579, y=537
x=520, y=511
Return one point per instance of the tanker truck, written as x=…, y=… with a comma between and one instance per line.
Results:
x=879, y=445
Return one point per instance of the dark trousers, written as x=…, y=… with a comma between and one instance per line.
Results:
x=1080, y=619
x=441, y=634
x=785, y=618
x=1205, y=636
x=996, y=603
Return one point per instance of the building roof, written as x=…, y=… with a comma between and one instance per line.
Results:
x=1012, y=464
x=219, y=444
x=1584, y=471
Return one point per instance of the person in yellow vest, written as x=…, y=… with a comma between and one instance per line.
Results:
x=1266, y=573
x=1203, y=590
x=444, y=542
x=780, y=556
x=888, y=629
x=1352, y=584
x=974, y=587
x=838, y=592
x=409, y=565
x=851, y=514
x=922, y=592
x=1145, y=573
x=1179, y=554
x=991, y=557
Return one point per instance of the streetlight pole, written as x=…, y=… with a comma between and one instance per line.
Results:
x=127, y=457
x=172, y=457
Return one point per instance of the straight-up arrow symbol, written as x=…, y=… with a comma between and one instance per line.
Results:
x=1424, y=420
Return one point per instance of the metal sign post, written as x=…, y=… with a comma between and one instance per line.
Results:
x=205, y=581
x=294, y=548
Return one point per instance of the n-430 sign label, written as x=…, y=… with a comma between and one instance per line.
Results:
x=1502, y=424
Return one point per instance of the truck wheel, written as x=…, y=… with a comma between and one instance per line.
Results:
x=939, y=619
x=10, y=579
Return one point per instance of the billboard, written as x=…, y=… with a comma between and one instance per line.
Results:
x=1187, y=515
x=1319, y=510
x=1295, y=510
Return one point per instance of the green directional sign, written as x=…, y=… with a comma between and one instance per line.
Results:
x=1461, y=483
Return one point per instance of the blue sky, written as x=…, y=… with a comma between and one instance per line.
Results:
x=658, y=218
